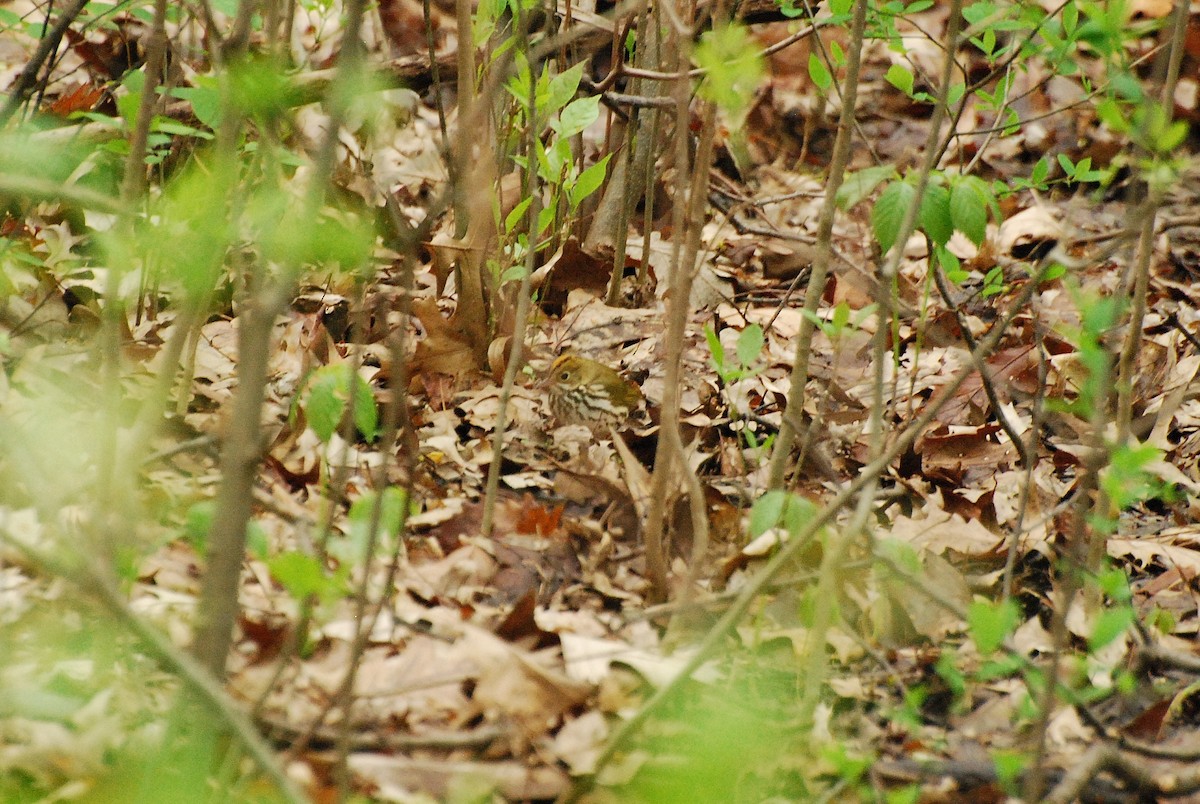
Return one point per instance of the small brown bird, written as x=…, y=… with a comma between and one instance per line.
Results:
x=585, y=392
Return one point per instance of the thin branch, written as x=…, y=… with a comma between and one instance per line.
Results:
x=27, y=80
x=792, y=425
x=195, y=678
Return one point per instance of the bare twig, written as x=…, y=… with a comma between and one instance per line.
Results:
x=204, y=688
x=985, y=376
x=836, y=554
x=792, y=424
x=27, y=80
x=517, y=342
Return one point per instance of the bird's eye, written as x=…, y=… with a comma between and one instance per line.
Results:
x=566, y=375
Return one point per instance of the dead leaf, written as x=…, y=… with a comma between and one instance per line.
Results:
x=444, y=349
x=520, y=685
x=937, y=531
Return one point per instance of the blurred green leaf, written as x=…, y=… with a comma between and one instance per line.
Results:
x=860, y=184
x=559, y=91
x=888, y=213
x=901, y=78
x=300, y=574
x=750, y=344
x=1108, y=625
x=935, y=217
x=578, y=115
x=969, y=208
x=393, y=511
x=733, y=66
x=819, y=73
x=588, y=182
x=326, y=397
x=991, y=623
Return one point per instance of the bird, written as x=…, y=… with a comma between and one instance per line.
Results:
x=584, y=391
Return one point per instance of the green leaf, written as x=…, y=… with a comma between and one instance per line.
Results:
x=901, y=78
x=836, y=54
x=262, y=87
x=991, y=623
x=588, y=182
x=993, y=282
x=986, y=43
x=968, y=210
x=1114, y=583
x=819, y=73
x=258, y=544
x=715, y=348
x=166, y=125
x=1054, y=272
x=515, y=273
x=555, y=158
x=558, y=156
x=1127, y=87
x=1070, y=18
x=1128, y=478
x=205, y=98
x=750, y=344
x=935, y=214
x=1109, y=625
x=129, y=102
x=903, y=555
x=1041, y=170
x=545, y=218
x=518, y=84
x=300, y=574
x=1009, y=767
x=545, y=169
x=733, y=67
x=326, y=403
x=949, y=264
x=366, y=414
x=1111, y=114
x=951, y=674
x=779, y=509
x=841, y=317
x=1068, y=167
x=862, y=183
x=518, y=212
x=789, y=9
x=328, y=394
x=767, y=512
x=1172, y=137
x=888, y=213
x=560, y=90
x=393, y=511
x=197, y=524
x=102, y=119
x=578, y=115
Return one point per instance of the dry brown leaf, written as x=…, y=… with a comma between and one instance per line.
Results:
x=1174, y=548
x=444, y=349
x=580, y=741
x=1032, y=231
x=422, y=684
x=403, y=779
x=937, y=531
x=520, y=685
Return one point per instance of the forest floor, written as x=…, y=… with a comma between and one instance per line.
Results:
x=405, y=653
